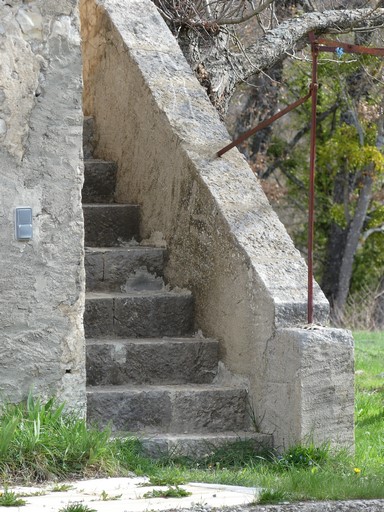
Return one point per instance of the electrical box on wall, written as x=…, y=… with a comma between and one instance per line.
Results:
x=23, y=224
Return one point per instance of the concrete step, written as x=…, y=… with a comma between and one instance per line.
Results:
x=151, y=361
x=110, y=225
x=148, y=314
x=199, y=446
x=99, y=181
x=197, y=408
x=122, y=269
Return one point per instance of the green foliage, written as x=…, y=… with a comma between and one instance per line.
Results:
x=344, y=150
x=38, y=440
x=276, y=147
x=271, y=496
x=77, y=507
x=369, y=349
x=10, y=499
x=346, y=153
x=61, y=488
x=170, y=492
x=304, y=456
x=160, y=479
x=107, y=497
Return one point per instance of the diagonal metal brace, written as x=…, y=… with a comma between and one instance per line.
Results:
x=265, y=123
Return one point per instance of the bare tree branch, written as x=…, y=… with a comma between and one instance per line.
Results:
x=207, y=14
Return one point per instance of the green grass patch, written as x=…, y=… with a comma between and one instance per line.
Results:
x=369, y=405
x=39, y=441
x=77, y=507
x=10, y=499
x=170, y=492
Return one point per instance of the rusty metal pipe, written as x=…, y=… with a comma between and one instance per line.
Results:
x=264, y=124
x=312, y=164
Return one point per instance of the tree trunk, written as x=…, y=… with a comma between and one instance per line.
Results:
x=337, y=239
x=352, y=242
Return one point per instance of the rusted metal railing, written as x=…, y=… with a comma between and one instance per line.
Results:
x=317, y=45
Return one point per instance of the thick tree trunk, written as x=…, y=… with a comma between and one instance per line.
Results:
x=352, y=242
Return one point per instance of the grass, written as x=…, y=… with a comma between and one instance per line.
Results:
x=77, y=507
x=38, y=441
x=10, y=499
x=170, y=492
x=370, y=401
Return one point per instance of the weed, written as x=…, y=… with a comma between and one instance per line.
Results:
x=166, y=480
x=302, y=456
x=61, y=488
x=170, y=492
x=268, y=496
x=39, y=441
x=77, y=507
x=106, y=497
x=10, y=499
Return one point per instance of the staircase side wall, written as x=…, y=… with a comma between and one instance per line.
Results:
x=41, y=280
x=225, y=242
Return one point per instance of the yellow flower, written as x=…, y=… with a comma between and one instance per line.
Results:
x=357, y=471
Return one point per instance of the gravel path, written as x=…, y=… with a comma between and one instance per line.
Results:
x=324, y=506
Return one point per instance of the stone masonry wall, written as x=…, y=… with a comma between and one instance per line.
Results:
x=225, y=242
x=41, y=280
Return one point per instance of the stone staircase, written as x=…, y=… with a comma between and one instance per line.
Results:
x=146, y=372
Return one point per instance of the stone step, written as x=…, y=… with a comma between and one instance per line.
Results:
x=148, y=314
x=198, y=446
x=99, y=181
x=122, y=269
x=110, y=225
x=197, y=408
x=151, y=361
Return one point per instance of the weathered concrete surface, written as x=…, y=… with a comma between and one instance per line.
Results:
x=41, y=281
x=309, y=383
x=225, y=242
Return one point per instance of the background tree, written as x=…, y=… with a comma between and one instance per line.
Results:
x=229, y=43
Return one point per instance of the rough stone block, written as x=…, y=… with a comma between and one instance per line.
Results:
x=150, y=361
x=309, y=387
x=99, y=181
x=138, y=314
x=209, y=409
x=98, y=316
x=110, y=225
x=171, y=409
x=129, y=410
x=153, y=314
x=129, y=267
